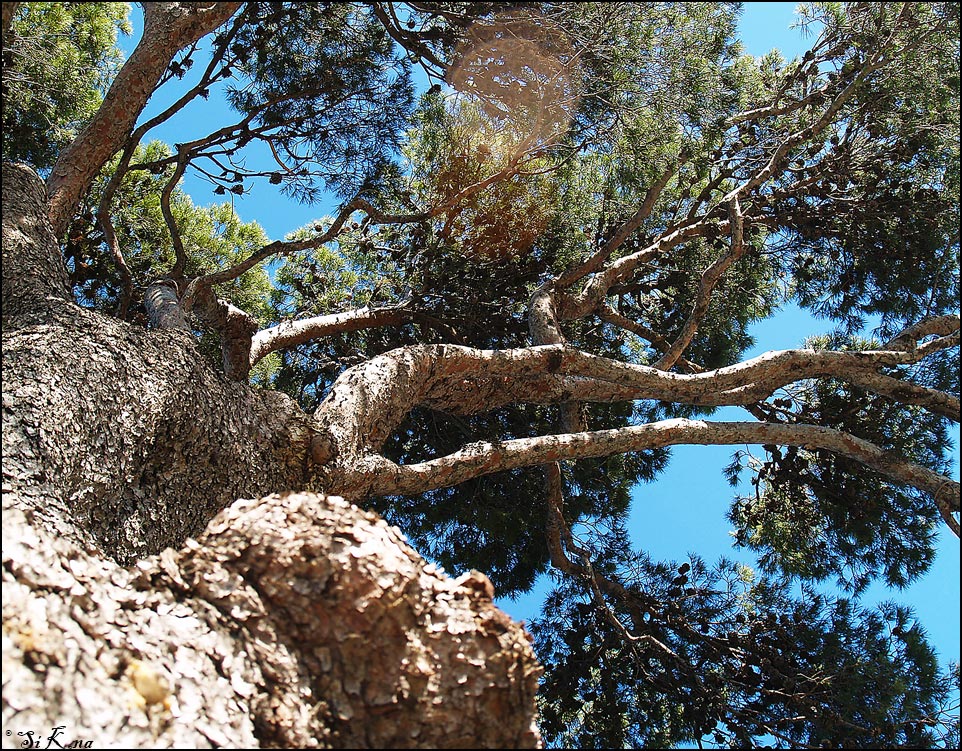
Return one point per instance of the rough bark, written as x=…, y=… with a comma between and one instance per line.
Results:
x=294, y=620
x=106, y=421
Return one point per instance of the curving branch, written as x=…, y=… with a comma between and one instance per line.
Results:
x=411, y=42
x=907, y=392
x=283, y=248
x=937, y=326
x=607, y=314
x=402, y=379
x=478, y=459
x=291, y=333
x=597, y=259
x=180, y=254
x=709, y=280
x=767, y=372
x=168, y=28
x=370, y=400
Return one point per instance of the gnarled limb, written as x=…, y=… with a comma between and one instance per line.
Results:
x=475, y=460
x=259, y=633
x=369, y=401
x=294, y=332
x=180, y=254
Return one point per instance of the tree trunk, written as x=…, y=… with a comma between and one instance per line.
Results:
x=293, y=620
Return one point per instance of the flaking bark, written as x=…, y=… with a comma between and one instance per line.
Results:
x=295, y=620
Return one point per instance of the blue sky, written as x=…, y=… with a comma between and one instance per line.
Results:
x=684, y=511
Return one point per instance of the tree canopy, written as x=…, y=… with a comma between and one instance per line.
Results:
x=540, y=273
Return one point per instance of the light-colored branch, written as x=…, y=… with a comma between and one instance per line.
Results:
x=163, y=308
x=576, y=306
x=369, y=401
x=483, y=458
x=769, y=371
x=404, y=378
x=938, y=325
x=292, y=333
x=478, y=395
x=906, y=392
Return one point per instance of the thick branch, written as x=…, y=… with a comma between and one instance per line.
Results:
x=409, y=42
x=906, y=392
x=939, y=326
x=769, y=371
x=476, y=395
x=369, y=401
x=235, y=328
x=292, y=333
x=168, y=28
x=480, y=459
